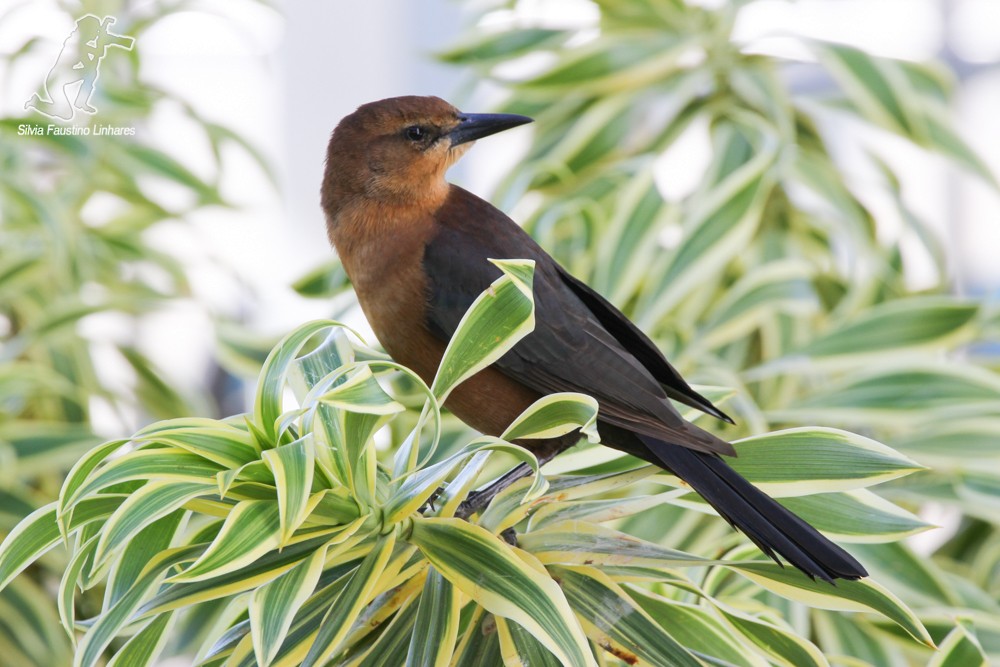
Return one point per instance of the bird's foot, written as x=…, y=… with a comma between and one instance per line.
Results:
x=509, y=536
x=433, y=499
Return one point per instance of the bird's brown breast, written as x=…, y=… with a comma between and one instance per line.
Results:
x=383, y=255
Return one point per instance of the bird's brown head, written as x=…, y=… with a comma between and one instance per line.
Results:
x=396, y=151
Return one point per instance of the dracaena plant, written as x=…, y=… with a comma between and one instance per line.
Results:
x=773, y=276
x=325, y=548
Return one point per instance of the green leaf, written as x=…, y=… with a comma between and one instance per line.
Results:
x=519, y=649
x=494, y=323
x=856, y=516
x=783, y=286
x=859, y=595
x=879, y=91
x=145, y=646
x=164, y=465
x=554, y=415
x=33, y=536
x=326, y=280
x=601, y=67
x=260, y=572
x=616, y=623
x=804, y=461
x=153, y=501
x=479, y=646
x=361, y=392
x=781, y=645
x=894, y=327
x=435, y=628
x=270, y=386
x=108, y=624
x=582, y=543
x=292, y=465
x=355, y=595
x=959, y=649
x=274, y=605
x=38, y=532
x=696, y=629
x=487, y=570
x=251, y=529
x=150, y=541
x=222, y=443
x=894, y=396
x=497, y=46
x=717, y=228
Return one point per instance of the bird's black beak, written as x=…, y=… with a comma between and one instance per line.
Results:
x=472, y=126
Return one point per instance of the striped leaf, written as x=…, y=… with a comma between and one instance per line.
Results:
x=616, y=623
x=274, y=605
x=270, y=386
x=38, y=532
x=781, y=645
x=879, y=90
x=161, y=464
x=518, y=648
x=777, y=287
x=361, y=392
x=292, y=465
x=494, y=323
x=895, y=327
x=491, y=47
x=392, y=645
x=260, y=572
x=718, y=227
x=487, y=570
x=960, y=648
x=886, y=92
x=555, y=415
x=81, y=471
x=858, y=516
x=435, y=627
x=151, y=540
x=251, y=529
x=895, y=395
x=110, y=623
x=150, y=503
x=579, y=543
x=145, y=646
x=70, y=580
x=480, y=646
x=225, y=444
x=597, y=67
x=414, y=492
x=859, y=595
x=696, y=629
x=804, y=461
x=33, y=536
x=354, y=596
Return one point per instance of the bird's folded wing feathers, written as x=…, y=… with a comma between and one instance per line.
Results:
x=570, y=349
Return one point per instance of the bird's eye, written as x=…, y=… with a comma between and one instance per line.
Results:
x=415, y=133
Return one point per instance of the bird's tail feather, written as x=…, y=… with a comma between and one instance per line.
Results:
x=774, y=529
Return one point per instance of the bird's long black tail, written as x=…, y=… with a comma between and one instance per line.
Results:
x=770, y=526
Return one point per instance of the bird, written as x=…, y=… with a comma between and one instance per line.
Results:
x=417, y=248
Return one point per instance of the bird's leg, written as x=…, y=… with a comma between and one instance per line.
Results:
x=544, y=451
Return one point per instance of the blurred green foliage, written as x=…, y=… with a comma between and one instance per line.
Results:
x=75, y=216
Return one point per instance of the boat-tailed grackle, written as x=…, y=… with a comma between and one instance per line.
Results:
x=416, y=249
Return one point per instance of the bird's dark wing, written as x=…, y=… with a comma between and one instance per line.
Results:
x=570, y=349
x=642, y=348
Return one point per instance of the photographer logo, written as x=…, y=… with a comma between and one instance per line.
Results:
x=71, y=80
